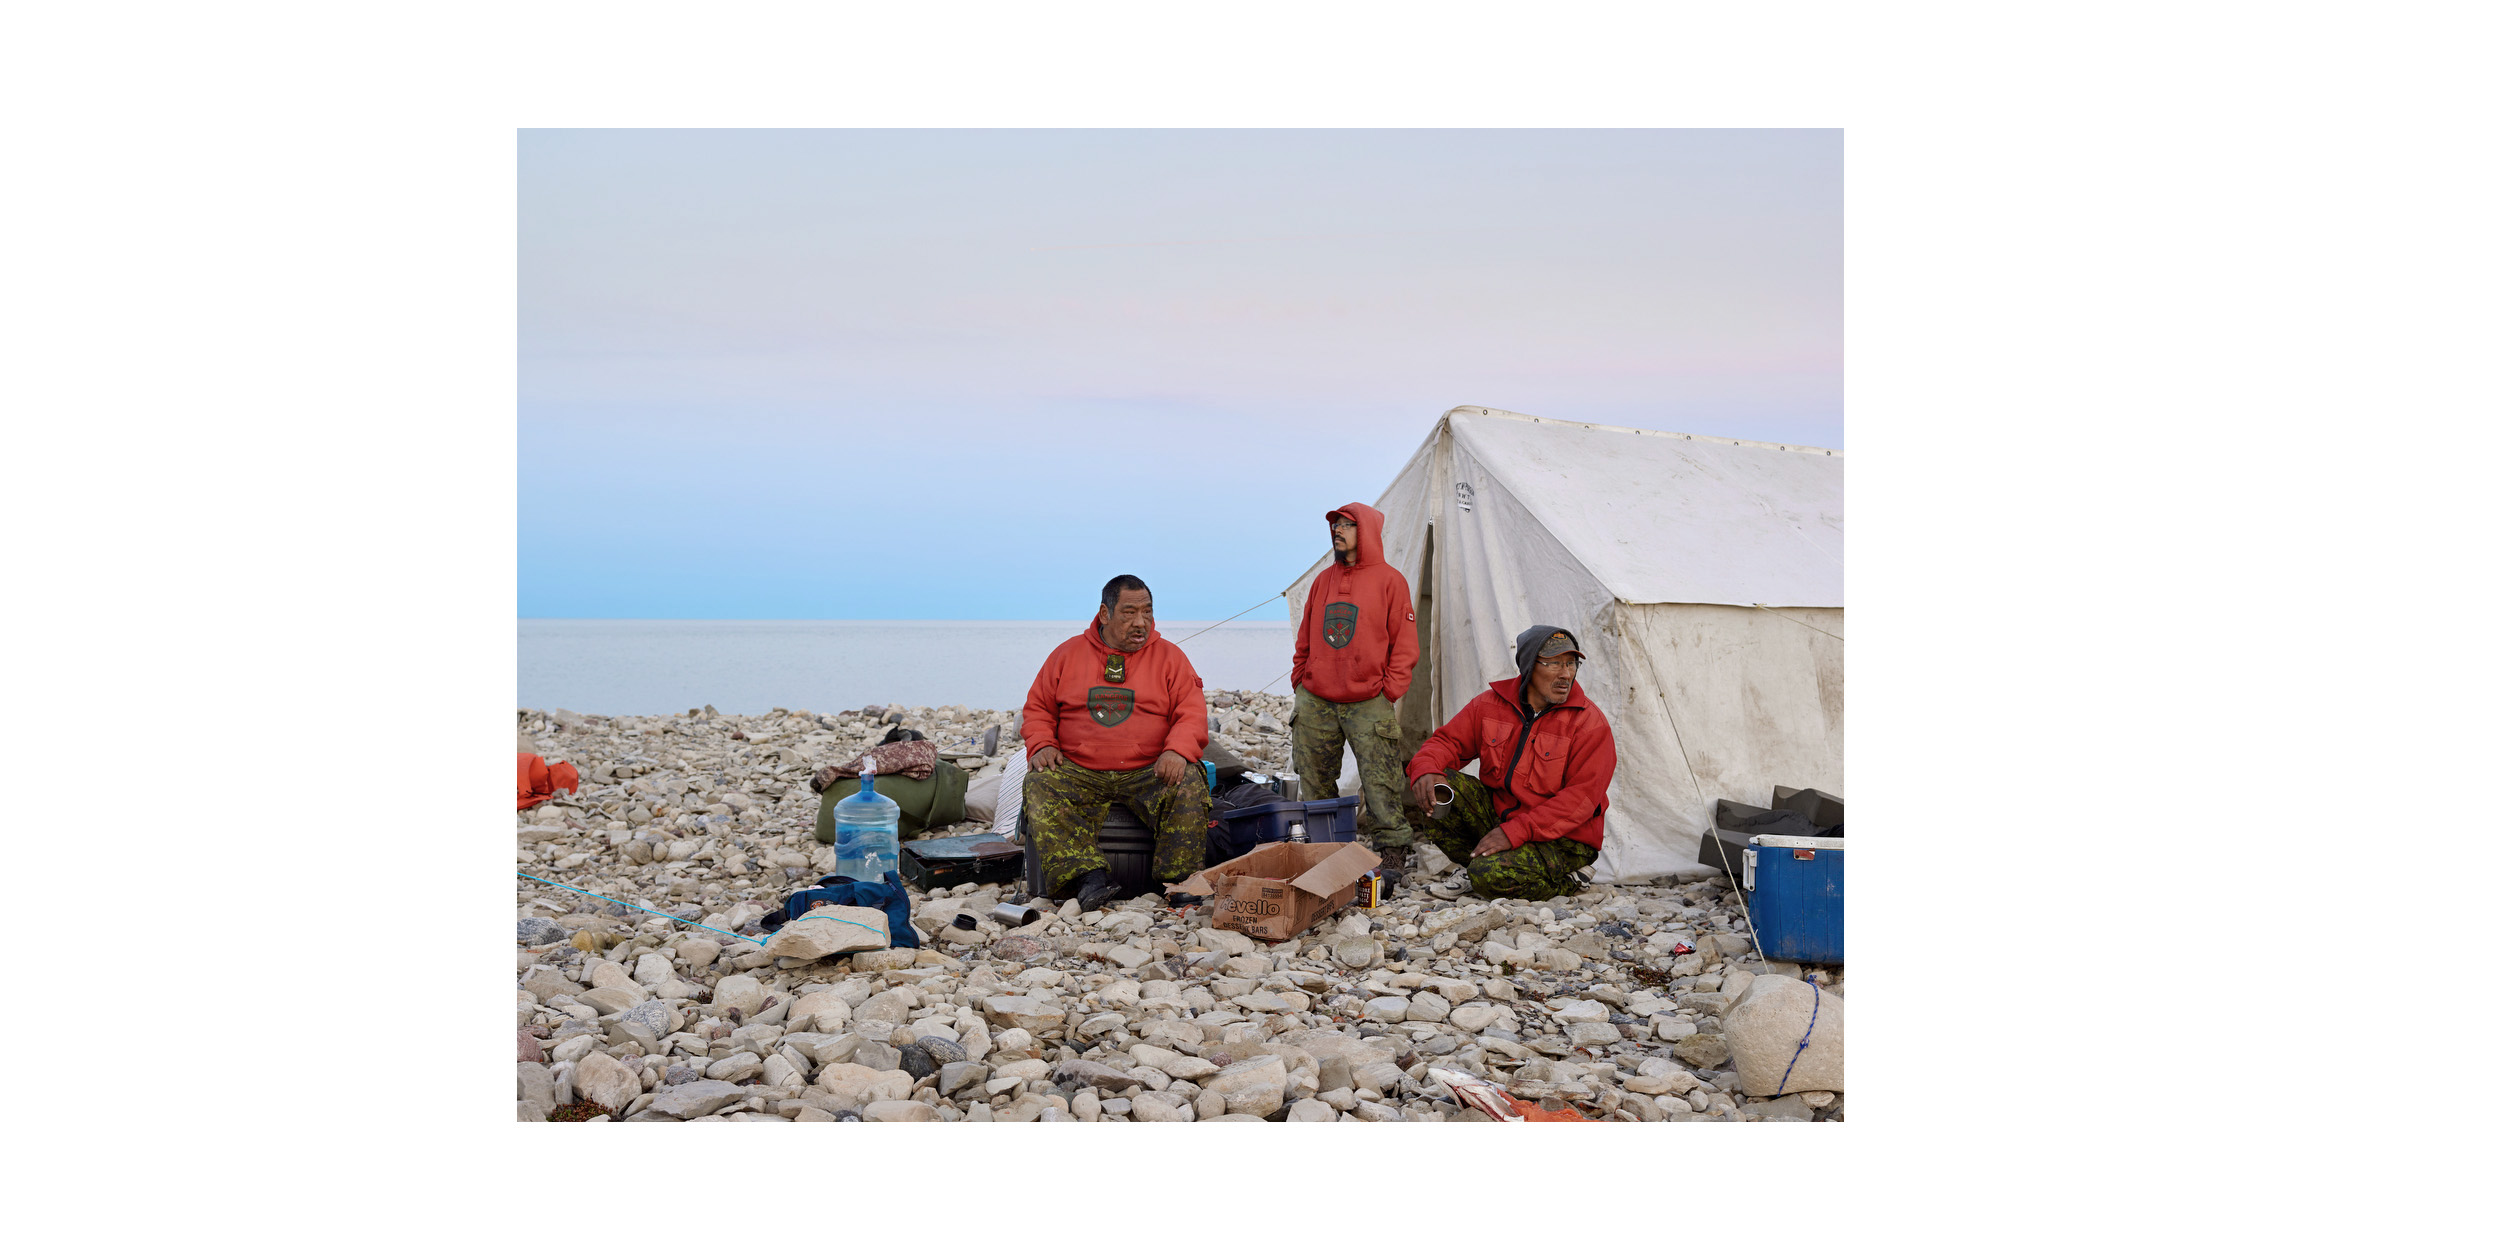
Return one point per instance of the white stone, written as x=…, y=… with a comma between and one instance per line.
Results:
x=739, y=991
x=830, y=931
x=852, y=1086
x=605, y=1081
x=1018, y=1012
x=822, y=1011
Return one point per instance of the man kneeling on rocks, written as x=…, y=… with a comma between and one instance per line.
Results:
x=1116, y=716
x=1538, y=815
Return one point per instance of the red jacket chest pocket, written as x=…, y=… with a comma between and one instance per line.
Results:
x=1495, y=755
x=1542, y=764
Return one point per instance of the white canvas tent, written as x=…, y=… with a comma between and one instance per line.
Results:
x=1702, y=576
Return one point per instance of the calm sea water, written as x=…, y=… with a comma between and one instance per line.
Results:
x=642, y=668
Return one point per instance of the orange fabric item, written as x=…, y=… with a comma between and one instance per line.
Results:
x=1357, y=640
x=1157, y=706
x=541, y=781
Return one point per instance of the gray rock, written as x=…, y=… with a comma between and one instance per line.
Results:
x=539, y=931
x=915, y=1060
x=1098, y=1076
x=957, y=1076
x=736, y=1067
x=649, y=1015
x=879, y=1057
x=943, y=1050
x=537, y=1087
x=1669, y=1030
x=1310, y=1111
x=696, y=1098
x=1335, y=1073
x=1593, y=1034
x=1705, y=1050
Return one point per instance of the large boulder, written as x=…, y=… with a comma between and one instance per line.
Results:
x=1763, y=1032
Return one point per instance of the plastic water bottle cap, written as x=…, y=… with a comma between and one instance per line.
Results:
x=868, y=766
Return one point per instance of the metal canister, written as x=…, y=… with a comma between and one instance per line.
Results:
x=1289, y=787
x=1442, y=797
x=1015, y=915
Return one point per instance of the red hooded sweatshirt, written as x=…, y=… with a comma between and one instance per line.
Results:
x=1156, y=706
x=1358, y=625
x=1558, y=788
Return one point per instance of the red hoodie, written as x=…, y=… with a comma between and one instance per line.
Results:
x=1559, y=788
x=1358, y=625
x=1157, y=706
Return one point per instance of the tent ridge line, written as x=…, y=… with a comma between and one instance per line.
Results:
x=1507, y=415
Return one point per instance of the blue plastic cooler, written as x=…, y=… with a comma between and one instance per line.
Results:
x=1793, y=888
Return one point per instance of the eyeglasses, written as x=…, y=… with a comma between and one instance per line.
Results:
x=1560, y=666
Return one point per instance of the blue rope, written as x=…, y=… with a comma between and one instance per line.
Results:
x=1801, y=1042
x=665, y=916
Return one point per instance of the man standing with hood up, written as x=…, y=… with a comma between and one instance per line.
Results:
x=1352, y=660
x=1536, y=813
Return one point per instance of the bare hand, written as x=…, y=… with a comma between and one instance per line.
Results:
x=1493, y=843
x=1421, y=791
x=1045, y=759
x=1170, y=767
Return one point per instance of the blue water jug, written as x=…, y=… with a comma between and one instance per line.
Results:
x=867, y=843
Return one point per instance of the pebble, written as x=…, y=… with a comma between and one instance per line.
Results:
x=1134, y=1014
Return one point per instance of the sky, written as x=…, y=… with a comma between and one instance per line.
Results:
x=971, y=375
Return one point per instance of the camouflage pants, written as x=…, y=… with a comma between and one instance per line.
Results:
x=1063, y=807
x=1539, y=870
x=1321, y=733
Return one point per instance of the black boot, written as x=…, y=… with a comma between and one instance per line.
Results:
x=1095, y=890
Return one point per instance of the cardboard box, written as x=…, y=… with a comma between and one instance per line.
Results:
x=1282, y=888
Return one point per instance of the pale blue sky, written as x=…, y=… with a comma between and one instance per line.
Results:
x=972, y=374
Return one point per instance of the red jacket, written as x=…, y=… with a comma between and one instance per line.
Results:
x=1559, y=789
x=1358, y=625
x=1157, y=706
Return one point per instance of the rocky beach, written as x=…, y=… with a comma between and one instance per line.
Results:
x=1637, y=1002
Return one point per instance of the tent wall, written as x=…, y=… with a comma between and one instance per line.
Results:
x=1708, y=700
x=1713, y=702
